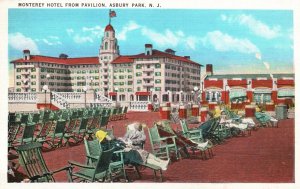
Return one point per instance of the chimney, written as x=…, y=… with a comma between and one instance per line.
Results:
x=148, y=49
x=209, y=69
x=187, y=57
x=170, y=51
x=26, y=54
x=63, y=56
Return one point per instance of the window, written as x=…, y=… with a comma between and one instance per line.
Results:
x=18, y=70
x=33, y=76
x=157, y=65
x=105, y=46
x=157, y=88
x=138, y=74
x=18, y=90
x=18, y=77
x=157, y=81
x=121, y=90
x=138, y=66
x=139, y=81
x=32, y=69
x=18, y=83
x=129, y=76
x=129, y=90
x=121, y=77
x=33, y=83
x=157, y=73
x=33, y=90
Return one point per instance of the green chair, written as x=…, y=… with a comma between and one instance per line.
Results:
x=80, y=132
x=44, y=132
x=159, y=145
x=124, y=112
x=32, y=161
x=192, y=134
x=27, y=135
x=56, y=138
x=116, y=167
x=12, y=135
x=92, y=173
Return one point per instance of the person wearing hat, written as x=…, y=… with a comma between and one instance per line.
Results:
x=131, y=154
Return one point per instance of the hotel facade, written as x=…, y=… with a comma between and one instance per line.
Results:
x=150, y=75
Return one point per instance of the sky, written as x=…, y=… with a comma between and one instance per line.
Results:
x=234, y=41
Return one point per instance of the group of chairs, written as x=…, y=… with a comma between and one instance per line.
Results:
x=57, y=128
x=165, y=141
x=99, y=165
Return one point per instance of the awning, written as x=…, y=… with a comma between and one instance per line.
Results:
x=112, y=93
x=142, y=93
x=237, y=93
x=286, y=93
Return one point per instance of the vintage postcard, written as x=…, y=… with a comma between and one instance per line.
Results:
x=183, y=94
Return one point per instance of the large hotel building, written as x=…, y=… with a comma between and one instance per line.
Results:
x=150, y=74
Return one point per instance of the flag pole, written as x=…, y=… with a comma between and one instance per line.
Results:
x=109, y=16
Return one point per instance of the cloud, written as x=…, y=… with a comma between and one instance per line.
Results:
x=85, y=34
x=258, y=27
x=267, y=65
x=50, y=40
x=20, y=42
x=70, y=31
x=130, y=26
x=82, y=39
x=224, y=43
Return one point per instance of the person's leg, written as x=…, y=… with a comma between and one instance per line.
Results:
x=151, y=159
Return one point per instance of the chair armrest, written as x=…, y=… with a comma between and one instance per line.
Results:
x=92, y=157
x=72, y=163
x=61, y=169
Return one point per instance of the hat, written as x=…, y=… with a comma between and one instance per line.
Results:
x=100, y=135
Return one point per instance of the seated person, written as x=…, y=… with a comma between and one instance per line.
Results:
x=131, y=155
x=135, y=135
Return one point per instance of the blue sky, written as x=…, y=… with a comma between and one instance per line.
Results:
x=234, y=41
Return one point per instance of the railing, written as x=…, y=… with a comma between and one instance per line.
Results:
x=22, y=97
x=138, y=105
x=71, y=96
x=59, y=101
x=101, y=104
x=101, y=98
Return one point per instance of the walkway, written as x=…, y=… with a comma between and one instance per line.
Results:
x=265, y=156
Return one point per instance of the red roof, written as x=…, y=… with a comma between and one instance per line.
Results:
x=157, y=53
x=109, y=28
x=56, y=60
x=142, y=93
x=122, y=59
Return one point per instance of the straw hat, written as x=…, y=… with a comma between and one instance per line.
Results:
x=100, y=135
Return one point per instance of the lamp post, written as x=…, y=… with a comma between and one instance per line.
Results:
x=85, y=88
x=45, y=88
x=168, y=91
x=196, y=89
x=181, y=95
x=116, y=90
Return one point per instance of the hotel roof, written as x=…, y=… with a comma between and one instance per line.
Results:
x=95, y=60
x=57, y=60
